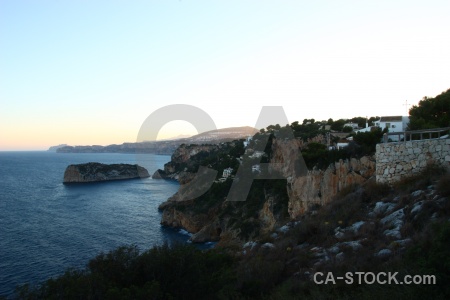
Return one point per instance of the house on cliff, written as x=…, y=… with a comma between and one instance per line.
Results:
x=392, y=123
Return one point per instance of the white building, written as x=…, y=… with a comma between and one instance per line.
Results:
x=227, y=172
x=392, y=123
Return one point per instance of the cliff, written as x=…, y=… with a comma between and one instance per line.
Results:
x=269, y=203
x=55, y=148
x=316, y=187
x=95, y=172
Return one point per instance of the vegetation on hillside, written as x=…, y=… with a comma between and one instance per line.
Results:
x=431, y=112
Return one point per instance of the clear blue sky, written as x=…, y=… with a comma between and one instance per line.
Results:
x=90, y=72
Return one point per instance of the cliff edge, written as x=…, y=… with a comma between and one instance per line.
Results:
x=269, y=204
x=96, y=172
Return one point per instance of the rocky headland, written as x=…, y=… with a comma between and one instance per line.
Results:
x=270, y=203
x=96, y=172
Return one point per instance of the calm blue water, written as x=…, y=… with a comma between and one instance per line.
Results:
x=46, y=227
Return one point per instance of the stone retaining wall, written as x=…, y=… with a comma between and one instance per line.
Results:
x=395, y=161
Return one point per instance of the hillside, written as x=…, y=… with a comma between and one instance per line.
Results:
x=166, y=147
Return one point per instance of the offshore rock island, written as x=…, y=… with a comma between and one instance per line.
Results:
x=97, y=172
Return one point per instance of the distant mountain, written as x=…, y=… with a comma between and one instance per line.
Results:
x=180, y=136
x=224, y=133
x=54, y=148
x=166, y=147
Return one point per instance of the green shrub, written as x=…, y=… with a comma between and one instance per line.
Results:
x=443, y=186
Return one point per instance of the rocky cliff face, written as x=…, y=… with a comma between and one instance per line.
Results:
x=184, y=161
x=210, y=218
x=95, y=172
x=309, y=187
x=319, y=187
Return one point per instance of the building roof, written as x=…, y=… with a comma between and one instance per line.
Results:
x=340, y=134
x=391, y=119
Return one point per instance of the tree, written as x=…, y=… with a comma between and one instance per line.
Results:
x=361, y=121
x=347, y=129
x=431, y=112
x=372, y=120
x=337, y=125
x=368, y=140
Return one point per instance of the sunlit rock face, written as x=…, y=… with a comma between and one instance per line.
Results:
x=319, y=187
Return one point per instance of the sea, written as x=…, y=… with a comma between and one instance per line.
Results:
x=47, y=226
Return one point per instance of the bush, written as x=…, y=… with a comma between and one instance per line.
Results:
x=443, y=186
x=179, y=272
x=421, y=180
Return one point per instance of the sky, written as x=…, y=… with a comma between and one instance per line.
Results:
x=91, y=72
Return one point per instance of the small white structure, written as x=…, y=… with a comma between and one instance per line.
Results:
x=247, y=141
x=341, y=145
x=352, y=125
x=227, y=172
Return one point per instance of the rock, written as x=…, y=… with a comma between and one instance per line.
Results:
x=355, y=245
x=316, y=249
x=383, y=253
x=301, y=246
x=266, y=217
x=394, y=219
x=268, y=246
x=283, y=229
x=340, y=256
x=322, y=260
x=159, y=174
x=417, y=193
x=334, y=249
x=383, y=207
x=250, y=245
x=173, y=217
x=339, y=234
x=208, y=233
x=96, y=172
x=356, y=226
x=394, y=233
x=417, y=207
